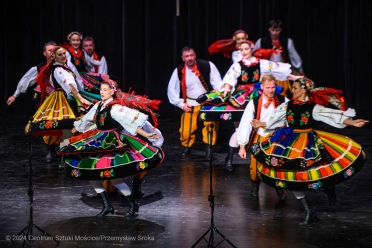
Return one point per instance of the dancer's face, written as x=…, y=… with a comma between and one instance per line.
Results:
x=239, y=37
x=88, y=47
x=189, y=57
x=246, y=50
x=298, y=92
x=105, y=92
x=268, y=88
x=75, y=41
x=60, y=56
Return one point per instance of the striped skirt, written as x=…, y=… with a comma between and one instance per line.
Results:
x=308, y=160
x=57, y=112
x=103, y=155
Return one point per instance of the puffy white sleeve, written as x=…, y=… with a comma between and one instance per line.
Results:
x=79, y=80
x=26, y=81
x=231, y=77
x=174, y=89
x=245, y=127
x=236, y=56
x=65, y=79
x=129, y=118
x=279, y=70
x=149, y=128
x=277, y=117
x=87, y=122
x=257, y=44
x=332, y=117
x=103, y=69
x=215, y=76
x=295, y=59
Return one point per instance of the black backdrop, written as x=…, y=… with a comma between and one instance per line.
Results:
x=142, y=39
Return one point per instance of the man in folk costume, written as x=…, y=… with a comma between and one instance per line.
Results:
x=96, y=61
x=189, y=80
x=279, y=48
x=259, y=108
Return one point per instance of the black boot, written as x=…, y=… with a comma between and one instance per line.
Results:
x=133, y=206
x=229, y=159
x=136, y=187
x=281, y=194
x=331, y=193
x=49, y=156
x=255, y=188
x=107, y=207
x=54, y=153
x=310, y=213
x=186, y=152
x=61, y=165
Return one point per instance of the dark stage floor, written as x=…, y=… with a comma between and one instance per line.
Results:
x=175, y=211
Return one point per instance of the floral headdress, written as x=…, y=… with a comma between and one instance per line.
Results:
x=322, y=95
x=72, y=33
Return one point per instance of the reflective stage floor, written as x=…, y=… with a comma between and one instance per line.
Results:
x=175, y=211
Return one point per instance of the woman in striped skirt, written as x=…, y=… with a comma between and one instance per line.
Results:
x=300, y=158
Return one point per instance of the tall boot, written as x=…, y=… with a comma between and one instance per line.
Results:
x=281, y=194
x=331, y=193
x=136, y=187
x=229, y=159
x=310, y=213
x=107, y=207
x=133, y=206
x=49, y=156
x=255, y=188
x=61, y=165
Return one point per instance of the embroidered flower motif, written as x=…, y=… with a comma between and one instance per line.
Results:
x=48, y=124
x=270, y=66
x=290, y=117
x=274, y=161
x=102, y=118
x=136, y=117
x=256, y=76
x=75, y=173
x=349, y=172
x=267, y=160
x=141, y=166
x=317, y=185
x=106, y=173
x=42, y=125
x=202, y=116
x=304, y=118
x=245, y=76
x=226, y=116
x=281, y=184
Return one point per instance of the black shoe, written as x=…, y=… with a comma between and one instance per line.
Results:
x=61, y=165
x=186, y=152
x=107, y=207
x=229, y=159
x=133, y=206
x=310, y=213
x=281, y=194
x=136, y=187
x=331, y=193
x=255, y=188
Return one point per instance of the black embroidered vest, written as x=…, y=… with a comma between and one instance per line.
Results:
x=103, y=118
x=249, y=74
x=299, y=116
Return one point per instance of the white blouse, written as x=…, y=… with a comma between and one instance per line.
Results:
x=332, y=117
x=279, y=70
x=128, y=118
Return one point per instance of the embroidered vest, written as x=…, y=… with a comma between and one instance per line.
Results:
x=103, y=118
x=300, y=116
x=249, y=74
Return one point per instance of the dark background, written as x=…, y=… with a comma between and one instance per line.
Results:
x=142, y=40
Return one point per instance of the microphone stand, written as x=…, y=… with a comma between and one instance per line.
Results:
x=212, y=228
x=28, y=235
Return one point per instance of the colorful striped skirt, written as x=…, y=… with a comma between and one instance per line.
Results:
x=57, y=112
x=308, y=160
x=103, y=155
